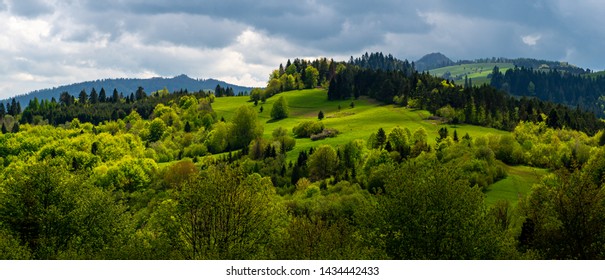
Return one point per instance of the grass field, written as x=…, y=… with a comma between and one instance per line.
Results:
x=359, y=122
x=517, y=184
x=366, y=118
x=477, y=72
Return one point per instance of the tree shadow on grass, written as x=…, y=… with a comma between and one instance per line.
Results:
x=273, y=120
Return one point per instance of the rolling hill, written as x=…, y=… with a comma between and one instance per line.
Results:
x=362, y=120
x=478, y=72
x=128, y=86
x=479, y=69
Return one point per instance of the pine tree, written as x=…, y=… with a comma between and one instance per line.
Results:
x=381, y=138
x=83, y=97
x=102, y=95
x=320, y=116
x=94, y=97
x=4, y=131
x=187, y=127
x=115, y=98
x=15, y=128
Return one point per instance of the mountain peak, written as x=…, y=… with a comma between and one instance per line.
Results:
x=433, y=61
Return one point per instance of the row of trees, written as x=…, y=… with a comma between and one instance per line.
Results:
x=86, y=108
x=554, y=86
x=482, y=105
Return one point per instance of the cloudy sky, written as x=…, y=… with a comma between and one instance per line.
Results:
x=46, y=43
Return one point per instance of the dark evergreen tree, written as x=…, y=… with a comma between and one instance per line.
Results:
x=320, y=116
x=443, y=133
x=15, y=127
x=115, y=97
x=102, y=95
x=14, y=109
x=381, y=138
x=94, y=96
x=83, y=97
x=140, y=93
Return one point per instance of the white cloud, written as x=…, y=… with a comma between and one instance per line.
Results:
x=531, y=40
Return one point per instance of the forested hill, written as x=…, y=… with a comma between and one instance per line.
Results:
x=128, y=86
x=556, y=86
x=433, y=61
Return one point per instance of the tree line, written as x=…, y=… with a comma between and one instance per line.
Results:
x=555, y=86
x=483, y=105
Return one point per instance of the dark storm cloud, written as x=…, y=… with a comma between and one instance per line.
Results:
x=244, y=40
x=333, y=25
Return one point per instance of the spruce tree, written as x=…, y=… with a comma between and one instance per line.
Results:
x=15, y=128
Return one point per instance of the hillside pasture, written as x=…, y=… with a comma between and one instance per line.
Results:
x=357, y=122
x=478, y=72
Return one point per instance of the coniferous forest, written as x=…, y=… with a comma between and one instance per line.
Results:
x=274, y=175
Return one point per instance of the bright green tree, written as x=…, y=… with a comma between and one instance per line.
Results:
x=280, y=109
x=245, y=127
x=157, y=127
x=311, y=77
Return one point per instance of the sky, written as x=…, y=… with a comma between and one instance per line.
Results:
x=48, y=43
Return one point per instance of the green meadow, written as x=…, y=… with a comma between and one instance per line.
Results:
x=357, y=122
x=478, y=72
x=516, y=185
x=365, y=118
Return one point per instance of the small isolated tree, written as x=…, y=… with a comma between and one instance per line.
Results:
x=280, y=109
x=320, y=116
x=352, y=105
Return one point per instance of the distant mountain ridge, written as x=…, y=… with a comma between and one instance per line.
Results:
x=129, y=85
x=434, y=61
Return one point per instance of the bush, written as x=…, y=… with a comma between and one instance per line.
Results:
x=328, y=132
x=308, y=128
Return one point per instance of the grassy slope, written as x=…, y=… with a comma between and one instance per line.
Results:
x=353, y=123
x=476, y=71
x=365, y=118
x=517, y=184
